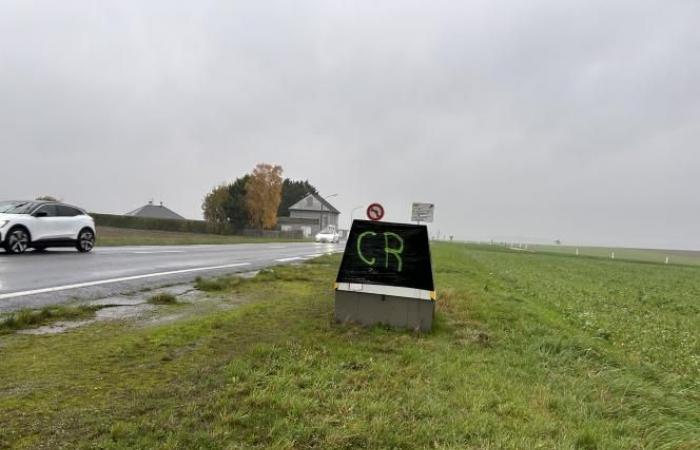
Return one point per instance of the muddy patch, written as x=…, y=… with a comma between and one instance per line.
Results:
x=248, y=275
x=55, y=328
x=123, y=312
x=136, y=306
x=118, y=301
x=157, y=320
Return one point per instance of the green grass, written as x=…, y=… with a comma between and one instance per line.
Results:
x=27, y=318
x=657, y=256
x=108, y=236
x=528, y=351
x=216, y=284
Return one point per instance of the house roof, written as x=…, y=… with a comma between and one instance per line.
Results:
x=155, y=212
x=313, y=202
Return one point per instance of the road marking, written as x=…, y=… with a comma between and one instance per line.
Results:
x=155, y=252
x=294, y=258
x=116, y=280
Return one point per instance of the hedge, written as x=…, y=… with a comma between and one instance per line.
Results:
x=147, y=223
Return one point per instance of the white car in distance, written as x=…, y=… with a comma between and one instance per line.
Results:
x=41, y=224
x=328, y=235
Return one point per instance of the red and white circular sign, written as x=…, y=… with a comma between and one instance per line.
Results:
x=375, y=211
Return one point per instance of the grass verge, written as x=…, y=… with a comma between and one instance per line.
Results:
x=656, y=256
x=529, y=351
x=28, y=318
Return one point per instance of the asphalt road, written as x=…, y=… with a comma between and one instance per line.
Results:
x=35, y=279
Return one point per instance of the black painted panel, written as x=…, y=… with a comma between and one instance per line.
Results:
x=390, y=254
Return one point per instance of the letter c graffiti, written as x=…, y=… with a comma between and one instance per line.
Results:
x=369, y=262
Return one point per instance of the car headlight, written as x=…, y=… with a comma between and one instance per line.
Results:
x=3, y=223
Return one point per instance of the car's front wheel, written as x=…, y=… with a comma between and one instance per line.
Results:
x=86, y=241
x=17, y=241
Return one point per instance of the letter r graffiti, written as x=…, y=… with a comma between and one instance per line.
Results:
x=393, y=251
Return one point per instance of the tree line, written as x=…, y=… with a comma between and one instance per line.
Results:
x=254, y=200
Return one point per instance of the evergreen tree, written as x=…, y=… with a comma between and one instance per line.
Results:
x=292, y=192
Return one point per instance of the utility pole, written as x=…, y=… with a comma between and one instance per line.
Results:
x=320, y=219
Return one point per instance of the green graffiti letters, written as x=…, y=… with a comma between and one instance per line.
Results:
x=395, y=251
x=369, y=262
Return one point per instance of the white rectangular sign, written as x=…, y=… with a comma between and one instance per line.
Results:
x=422, y=212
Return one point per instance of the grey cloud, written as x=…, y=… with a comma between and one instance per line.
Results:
x=571, y=120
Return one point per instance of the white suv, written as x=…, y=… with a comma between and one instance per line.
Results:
x=39, y=224
x=328, y=235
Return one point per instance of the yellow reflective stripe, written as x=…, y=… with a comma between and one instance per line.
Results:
x=433, y=295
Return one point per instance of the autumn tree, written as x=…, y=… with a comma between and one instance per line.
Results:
x=226, y=207
x=263, y=196
x=214, y=207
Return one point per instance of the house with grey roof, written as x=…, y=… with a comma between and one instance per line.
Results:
x=311, y=214
x=155, y=212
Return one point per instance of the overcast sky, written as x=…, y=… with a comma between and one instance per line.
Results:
x=571, y=120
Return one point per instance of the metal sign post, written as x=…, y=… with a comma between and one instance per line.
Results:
x=422, y=212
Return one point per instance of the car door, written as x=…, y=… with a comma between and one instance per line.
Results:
x=69, y=221
x=46, y=224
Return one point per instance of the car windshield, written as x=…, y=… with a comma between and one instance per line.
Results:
x=16, y=207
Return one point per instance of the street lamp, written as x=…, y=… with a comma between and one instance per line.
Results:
x=352, y=213
x=320, y=219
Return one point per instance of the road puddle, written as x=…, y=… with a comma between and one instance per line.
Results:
x=136, y=307
x=124, y=307
x=56, y=328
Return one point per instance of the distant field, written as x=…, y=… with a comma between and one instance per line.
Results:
x=686, y=257
x=108, y=236
x=530, y=351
